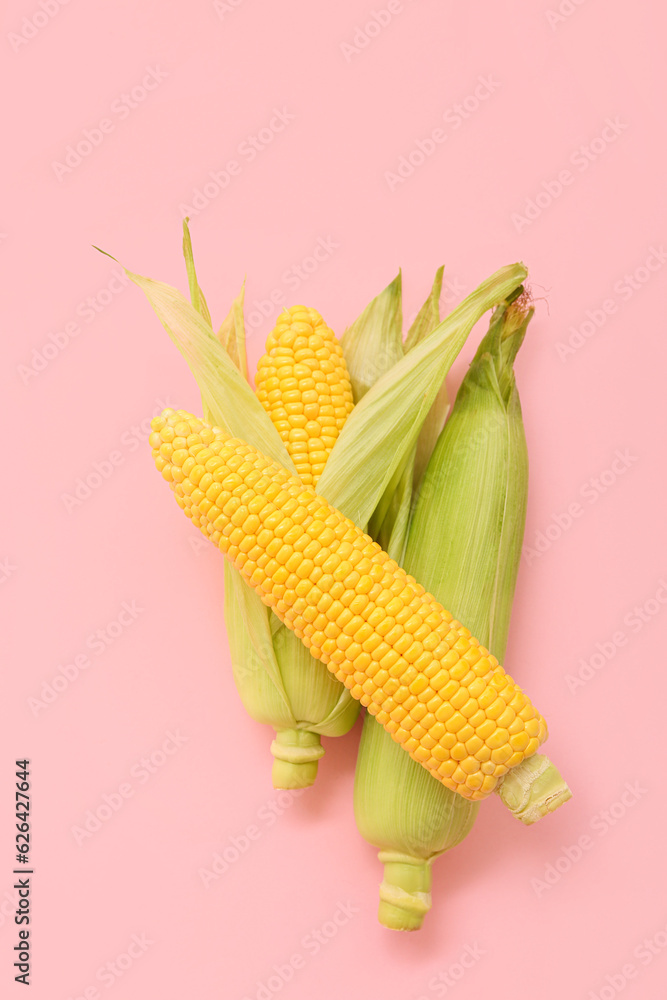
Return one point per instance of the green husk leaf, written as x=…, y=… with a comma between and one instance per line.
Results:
x=256, y=670
x=196, y=294
x=229, y=398
x=427, y=319
x=467, y=528
x=430, y=433
x=318, y=701
x=428, y=316
x=390, y=523
x=384, y=426
x=374, y=342
x=232, y=334
x=391, y=532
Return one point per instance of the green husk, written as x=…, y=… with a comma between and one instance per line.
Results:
x=374, y=342
x=464, y=546
x=391, y=531
x=383, y=428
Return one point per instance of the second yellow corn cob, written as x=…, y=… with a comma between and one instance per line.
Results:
x=439, y=693
x=303, y=384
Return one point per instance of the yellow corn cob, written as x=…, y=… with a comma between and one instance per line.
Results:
x=433, y=687
x=303, y=384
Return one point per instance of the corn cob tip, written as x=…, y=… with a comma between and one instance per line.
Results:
x=405, y=892
x=533, y=789
x=296, y=755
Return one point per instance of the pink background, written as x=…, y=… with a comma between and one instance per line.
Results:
x=66, y=573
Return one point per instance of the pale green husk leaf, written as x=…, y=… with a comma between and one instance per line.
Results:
x=232, y=334
x=227, y=394
x=427, y=319
x=196, y=294
x=389, y=525
x=374, y=342
x=383, y=428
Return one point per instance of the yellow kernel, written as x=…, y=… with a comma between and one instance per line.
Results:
x=495, y=709
x=497, y=739
x=454, y=723
x=419, y=684
x=520, y=741
x=465, y=733
x=459, y=699
x=486, y=729
x=506, y=717
x=469, y=708
x=444, y=712
x=501, y=754
x=474, y=781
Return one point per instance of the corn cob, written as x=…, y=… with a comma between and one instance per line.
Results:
x=439, y=693
x=303, y=384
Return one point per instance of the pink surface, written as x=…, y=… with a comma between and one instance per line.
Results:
x=568, y=115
